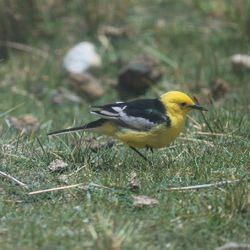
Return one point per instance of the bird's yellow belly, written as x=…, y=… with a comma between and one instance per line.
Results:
x=156, y=138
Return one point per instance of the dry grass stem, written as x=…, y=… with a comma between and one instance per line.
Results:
x=216, y=184
x=57, y=188
x=233, y=245
x=84, y=186
x=13, y=179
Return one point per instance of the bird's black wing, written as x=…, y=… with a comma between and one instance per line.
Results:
x=139, y=114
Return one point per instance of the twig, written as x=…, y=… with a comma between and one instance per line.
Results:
x=216, y=184
x=67, y=187
x=56, y=189
x=25, y=48
x=233, y=245
x=13, y=179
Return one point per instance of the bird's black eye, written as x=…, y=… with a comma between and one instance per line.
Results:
x=183, y=104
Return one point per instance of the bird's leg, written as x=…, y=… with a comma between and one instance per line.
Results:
x=139, y=153
x=149, y=148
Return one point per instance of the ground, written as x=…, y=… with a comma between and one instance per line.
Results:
x=194, y=42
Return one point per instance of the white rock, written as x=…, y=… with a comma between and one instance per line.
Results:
x=81, y=57
x=241, y=60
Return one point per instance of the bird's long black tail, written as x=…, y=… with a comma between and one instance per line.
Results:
x=91, y=125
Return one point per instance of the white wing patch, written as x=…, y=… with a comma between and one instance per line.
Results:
x=137, y=122
x=105, y=114
x=118, y=112
x=125, y=120
x=119, y=109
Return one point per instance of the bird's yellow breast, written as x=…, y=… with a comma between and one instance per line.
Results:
x=157, y=137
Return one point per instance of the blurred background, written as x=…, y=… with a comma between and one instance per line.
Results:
x=57, y=55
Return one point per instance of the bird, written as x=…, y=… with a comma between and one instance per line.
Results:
x=142, y=123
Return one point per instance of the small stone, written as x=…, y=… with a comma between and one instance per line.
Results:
x=26, y=123
x=87, y=85
x=143, y=200
x=57, y=166
x=138, y=76
x=219, y=89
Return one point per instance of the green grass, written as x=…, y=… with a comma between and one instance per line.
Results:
x=194, y=46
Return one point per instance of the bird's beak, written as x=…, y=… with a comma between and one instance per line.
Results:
x=198, y=107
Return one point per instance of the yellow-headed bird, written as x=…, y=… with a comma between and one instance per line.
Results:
x=145, y=123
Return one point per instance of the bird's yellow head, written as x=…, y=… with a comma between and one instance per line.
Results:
x=179, y=102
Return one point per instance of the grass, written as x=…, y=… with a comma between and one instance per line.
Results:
x=194, y=41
